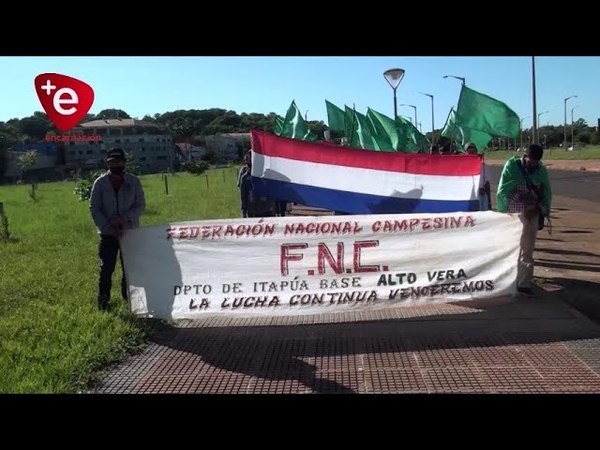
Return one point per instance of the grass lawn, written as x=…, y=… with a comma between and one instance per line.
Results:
x=556, y=153
x=52, y=337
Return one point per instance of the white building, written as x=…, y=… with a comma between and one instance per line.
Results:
x=150, y=145
x=227, y=147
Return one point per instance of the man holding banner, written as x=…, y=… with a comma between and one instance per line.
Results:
x=116, y=203
x=524, y=188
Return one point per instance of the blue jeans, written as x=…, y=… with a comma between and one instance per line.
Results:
x=107, y=250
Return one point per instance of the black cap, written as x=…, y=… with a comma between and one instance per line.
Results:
x=115, y=153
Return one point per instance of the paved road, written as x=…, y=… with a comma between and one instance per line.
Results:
x=577, y=185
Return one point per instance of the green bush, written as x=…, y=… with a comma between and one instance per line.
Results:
x=195, y=167
x=83, y=188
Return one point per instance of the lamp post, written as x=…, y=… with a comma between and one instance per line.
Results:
x=565, y=129
x=462, y=79
x=534, y=102
x=572, y=129
x=306, y=115
x=413, y=107
x=394, y=77
x=432, y=124
x=458, y=78
x=522, y=131
x=420, y=128
x=538, y=121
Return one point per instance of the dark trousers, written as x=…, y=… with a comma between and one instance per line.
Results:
x=280, y=208
x=107, y=250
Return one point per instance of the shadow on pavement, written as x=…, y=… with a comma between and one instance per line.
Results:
x=557, y=251
x=317, y=355
x=569, y=265
x=579, y=294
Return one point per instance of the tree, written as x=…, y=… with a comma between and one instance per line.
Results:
x=3, y=154
x=317, y=127
x=132, y=166
x=584, y=137
x=88, y=118
x=112, y=113
x=35, y=127
x=41, y=115
x=26, y=161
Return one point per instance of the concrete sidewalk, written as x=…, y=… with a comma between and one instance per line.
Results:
x=522, y=346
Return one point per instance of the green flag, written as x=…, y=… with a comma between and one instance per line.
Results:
x=278, y=125
x=479, y=138
x=483, y=113
x=335, y=117
x=362, y=137
x=294, y=126
x=349, y=123
x=451, y=130
x=399, y=135
x=384, y=129
x=462, y=134
x=411, y=140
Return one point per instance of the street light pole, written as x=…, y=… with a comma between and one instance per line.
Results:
x=534, y=116
x=394, y=77
x=432, y=118
x=458, y=78
x=538, y=130
x=521, y=147
x=572, y=129
x=565, y=129
x=413, y=107
x=462, y=79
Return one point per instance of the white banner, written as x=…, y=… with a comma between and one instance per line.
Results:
x=311, y=265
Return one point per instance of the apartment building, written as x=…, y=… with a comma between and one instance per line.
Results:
x=150, y=145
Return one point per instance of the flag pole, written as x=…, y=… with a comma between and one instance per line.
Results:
x=352, y=124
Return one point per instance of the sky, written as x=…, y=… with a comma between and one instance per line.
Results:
x=149, y=85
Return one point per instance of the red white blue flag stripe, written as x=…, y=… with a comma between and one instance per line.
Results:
x=357, y=181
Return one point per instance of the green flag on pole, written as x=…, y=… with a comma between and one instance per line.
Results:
x=278, y=125
x=362, y=137
x=335, y=117
x=294, y=126
x=462, y=134
x=483, y=113
x=384, y=129
x=411, y=140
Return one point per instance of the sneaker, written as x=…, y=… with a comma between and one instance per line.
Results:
x=526, y=291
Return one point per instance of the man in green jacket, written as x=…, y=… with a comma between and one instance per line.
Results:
x=524, y=188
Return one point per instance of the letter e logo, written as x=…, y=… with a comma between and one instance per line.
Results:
x=66, y=100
